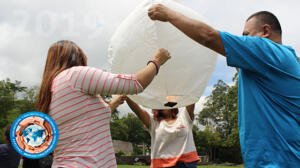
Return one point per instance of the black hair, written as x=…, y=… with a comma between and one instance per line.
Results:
x=265, y=17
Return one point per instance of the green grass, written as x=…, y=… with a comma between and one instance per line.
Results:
x=132, y=166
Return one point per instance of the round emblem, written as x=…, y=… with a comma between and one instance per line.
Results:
x=34, y=135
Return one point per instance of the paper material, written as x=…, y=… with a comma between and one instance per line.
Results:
x=184, y=76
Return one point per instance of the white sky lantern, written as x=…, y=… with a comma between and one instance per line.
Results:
x=182, y=80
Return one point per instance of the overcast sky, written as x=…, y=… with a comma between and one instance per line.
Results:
x=29, y=27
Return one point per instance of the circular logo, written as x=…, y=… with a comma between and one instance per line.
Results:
x=34, y=134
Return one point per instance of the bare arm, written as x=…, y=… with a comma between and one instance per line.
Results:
x=146, y=75
x=95, y=81
x=116, y=101
x=142, y=114
x=196, y=30
x=190, y=109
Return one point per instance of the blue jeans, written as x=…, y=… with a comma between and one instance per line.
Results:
x=185, y=165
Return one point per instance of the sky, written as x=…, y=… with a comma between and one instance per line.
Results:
x=29, y=27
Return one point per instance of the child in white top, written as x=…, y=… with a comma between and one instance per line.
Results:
x=172, y=143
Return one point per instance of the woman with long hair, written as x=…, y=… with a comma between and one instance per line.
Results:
x=172, y=142
x=71, y=93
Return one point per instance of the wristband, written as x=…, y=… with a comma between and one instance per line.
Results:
x=156, y=65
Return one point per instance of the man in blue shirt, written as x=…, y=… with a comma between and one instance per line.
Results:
x=269, y=84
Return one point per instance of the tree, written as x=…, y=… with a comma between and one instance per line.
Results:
x=26, y=103
x=207, y=142
x=14, y=100
x=136, y=130
x=130, y=129
x=220, y=109
x=220, y=116
x=8, y=95
x=119, y=130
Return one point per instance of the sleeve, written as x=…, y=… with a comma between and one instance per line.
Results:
x=246, y=52
x=95, y=81
x=186, y=116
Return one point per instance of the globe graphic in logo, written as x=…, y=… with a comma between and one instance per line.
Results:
x=34, y=134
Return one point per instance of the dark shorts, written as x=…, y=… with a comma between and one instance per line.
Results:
x=185, y=165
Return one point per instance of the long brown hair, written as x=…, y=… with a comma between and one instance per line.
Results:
x=61, y=56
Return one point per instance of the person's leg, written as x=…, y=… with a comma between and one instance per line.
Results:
x=185, y=165
x=178, y=165
x=191, y=165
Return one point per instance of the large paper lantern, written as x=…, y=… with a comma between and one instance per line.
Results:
x=182, y=80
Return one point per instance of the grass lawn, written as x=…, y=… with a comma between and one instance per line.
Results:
x=132, y=166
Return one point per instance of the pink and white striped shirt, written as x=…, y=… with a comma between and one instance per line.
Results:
x=83, y=117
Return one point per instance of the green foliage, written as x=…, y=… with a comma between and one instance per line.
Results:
x=220, y=117
x=139, y=164
x=121, y=153
x=14, y=100
x=130, y=129
x=8, y=96
x=207, y=141
x=27, y=102
x=119, y=130
x=133, y=153
x=136, y=130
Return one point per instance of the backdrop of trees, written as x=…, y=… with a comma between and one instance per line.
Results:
x=15, y=100
x=219, y=140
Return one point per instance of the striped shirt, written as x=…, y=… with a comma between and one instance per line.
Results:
x=83, y=117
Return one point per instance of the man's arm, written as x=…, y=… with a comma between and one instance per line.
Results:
x=196, y=30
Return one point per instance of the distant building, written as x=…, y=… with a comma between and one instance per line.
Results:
x=126, y=147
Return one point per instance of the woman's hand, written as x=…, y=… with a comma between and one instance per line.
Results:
x=116, y=101
x=161, y=56
x=146, y=75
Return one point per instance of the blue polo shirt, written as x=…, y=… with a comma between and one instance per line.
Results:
x=268, y=100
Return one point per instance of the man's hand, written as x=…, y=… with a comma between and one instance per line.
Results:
x=196, y=30
x=159, y=12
